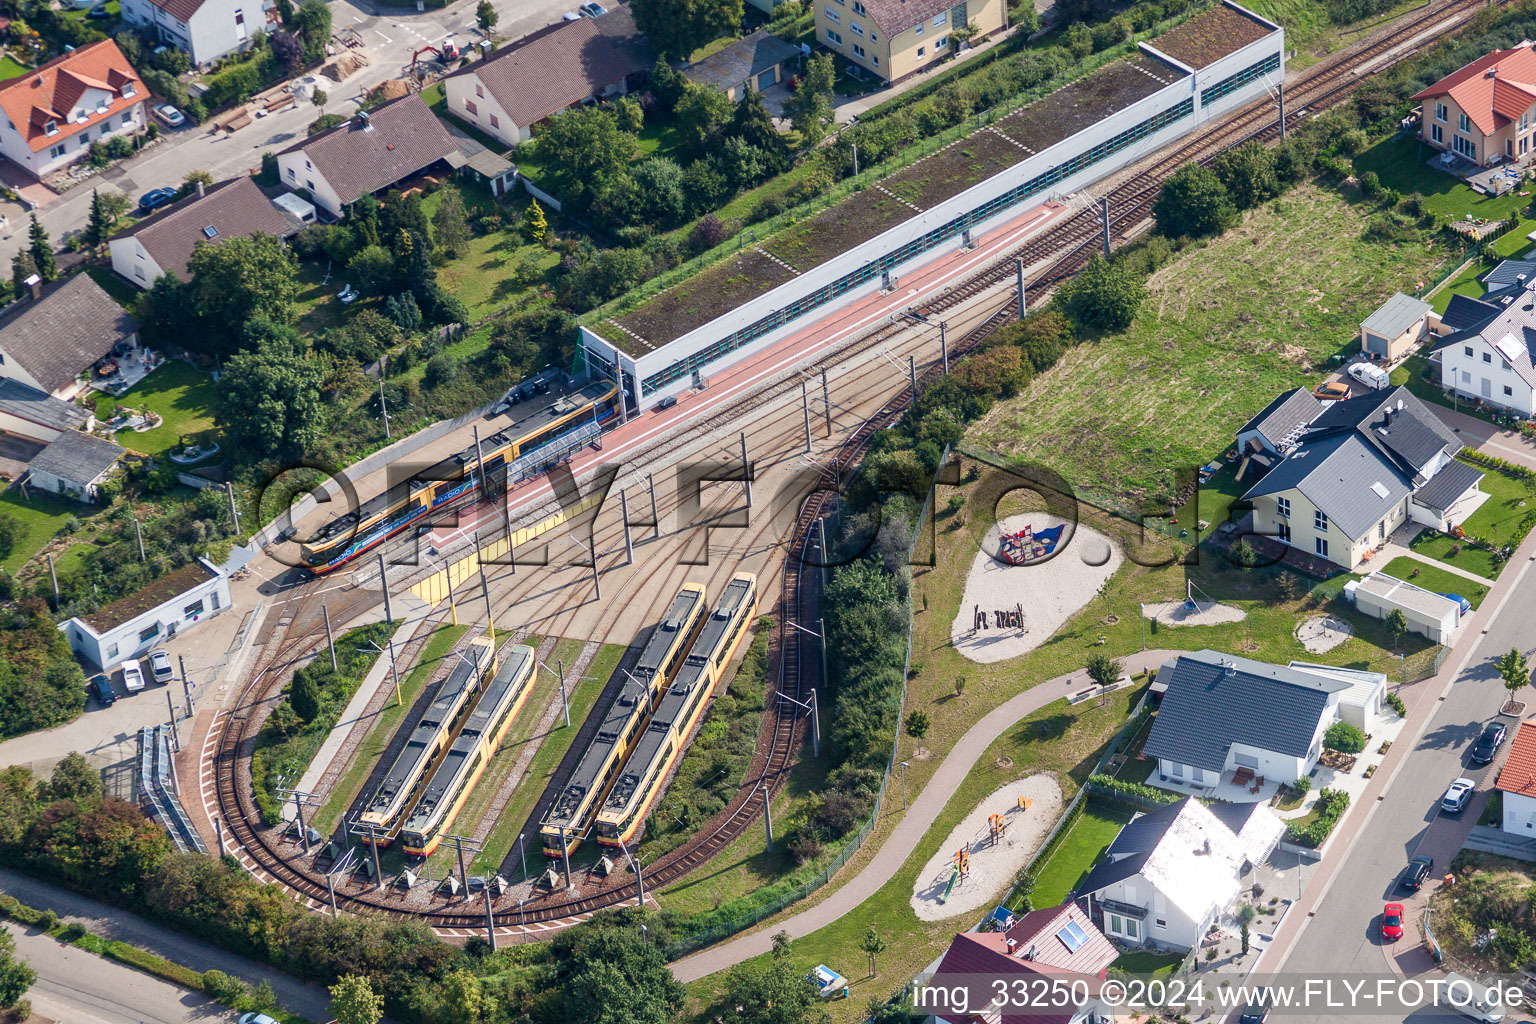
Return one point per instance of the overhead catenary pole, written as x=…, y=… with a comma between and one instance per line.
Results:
x=175, y=738
x=805, y=406
x=565, y=857
x=944, y=344
x=1018, y=269
x=523, y=856
x=490, y=918
x=821, y=544
x=138, y=531
x=485, y=588
x=369, y=833
x=1282, y=111
x=655, y=519
x=54, y=576
x=912, y=377
x=767, y=819
x=330, y=641
x=384, y=586
x=821, y=624
x=826, y=400
x=330, y=887
x=597, y=585
x=234, y=513
x=383, y=406
x=629, y=540
x=816, y=716
x=746, y=468
x=394, y=672
x=1104, y=205
x=186, y=687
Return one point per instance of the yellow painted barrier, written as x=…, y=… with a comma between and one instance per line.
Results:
x=435, y=588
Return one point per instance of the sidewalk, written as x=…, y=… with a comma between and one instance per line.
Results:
x=903, y=839
x=1445, y=833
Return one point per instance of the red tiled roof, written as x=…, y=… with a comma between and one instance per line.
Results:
x=1519, y=772
x=52, y=91
x=1491, y=90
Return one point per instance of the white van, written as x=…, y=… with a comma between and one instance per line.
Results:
x=1481, y=1006
x=1372, y=376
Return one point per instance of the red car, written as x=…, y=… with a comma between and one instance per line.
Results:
x=1392, y=922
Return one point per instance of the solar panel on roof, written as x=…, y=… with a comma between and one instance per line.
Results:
x=1072, y=936
x=1509, y=348
x=1380, y=489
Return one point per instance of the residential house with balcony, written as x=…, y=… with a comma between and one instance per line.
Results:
x=53, y=114
x=1487, y=358
x=892, y=39
x=1484, y=111
x=205, y=29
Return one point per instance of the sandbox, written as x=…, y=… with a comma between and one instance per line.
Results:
x=992, y=865
x=1009, y=610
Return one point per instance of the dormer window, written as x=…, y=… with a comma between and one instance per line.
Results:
x=50, y=127
x=129, y=92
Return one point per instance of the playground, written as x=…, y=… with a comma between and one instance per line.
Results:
x=979, y=859
x=1032, y=573
x=1194, y=610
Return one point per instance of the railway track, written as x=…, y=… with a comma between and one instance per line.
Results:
x=1063, y=250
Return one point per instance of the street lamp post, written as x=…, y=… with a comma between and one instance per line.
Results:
x=904, y=785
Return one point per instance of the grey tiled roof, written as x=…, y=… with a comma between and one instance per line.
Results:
x=1448, y=485
x=1143, y=832
x=31, y=404
x=1508, y=273
x=743, y=59
x=76, y=457
x=1280, y=419
x=230, y=209
x=1512, y=313
x=1396, y=315
x=59, y=336
x=1463, y=313
x=360, y=157
x=1336, y=474
x=1215, y=700
x=1110, y=872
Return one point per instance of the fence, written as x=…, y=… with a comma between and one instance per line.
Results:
x=765, y=910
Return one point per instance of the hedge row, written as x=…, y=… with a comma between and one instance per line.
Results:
x=1109, y=786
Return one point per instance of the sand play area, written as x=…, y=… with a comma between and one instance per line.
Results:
x=1323, y=633
x=1047, y=592
x=1197, y=613
x=992, y=865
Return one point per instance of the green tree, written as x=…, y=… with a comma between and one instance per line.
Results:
x=10, y=532
x=313, y=20
x=1514, y=671
x=1243, y=554
x=372, y=270
x=451, y=224
x=97, y=225
x=41, y=250
x=463, y=998
x=236, y=280
x=810, y=107
x=702, y=113
x=586, y=149
x=1193, y=203
x=1248, y=173
x=1245, y=915
x=772, y=992
x=486, y=16
x=270, y=406
x=753, y=124
x=1105, y=297
x=304, y=695
x=668, y=84
x=195, y=177
x=1103, y=670
x=1345, y=738
x=1397, y=624
x=352, y=998
x=74, y=779
x=611, y=975
x=22, y=268
x=16, y=976
x=917, y=725
x=630, y=113
x=538, y=224
x=678, y=27
x=872, y=945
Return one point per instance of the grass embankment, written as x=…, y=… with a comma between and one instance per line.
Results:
x=364, y=759
x=1226, y=327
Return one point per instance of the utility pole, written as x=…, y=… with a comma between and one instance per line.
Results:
x=805, y=405
x=234, y=513
x=746, y=468
x=904, y=785
x=655, y=519
x=384, y=586
x=592, y=549
x=855, y=159
x=767, y=818
x=175, y=738
x=458, y=845
x=944, y=344
x=453, y=610
x=485, y=588
x=54, y=576
x=490, y=918
x=394, y=670
x=1104, y=205
x=564, y=707
x=635, y=865
x=821, y=624
x=139, y=533
x=629, y=542
x=1282, y=110
x=330, y=641
x=912, y=377
x=300, y=798
x=369, y=833
x=186, y=687
x=523, y=856
x=384, y=408
x=1018, y=267
x=826, y=400
x=821, y=541
x=816, y=718
x=565, y=857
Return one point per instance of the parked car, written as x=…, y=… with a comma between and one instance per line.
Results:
x=170, y=115
x=155, y=198
x=1256, y=1012
x=1466, y=997
x=160, y=667
x=1392, y=922
x=1458, y=796
x=592, y=9
x=1332, y=391
x=1466, y=606
x=1414, y=874
x=1488, y=744
x=256, y=1018
x=570, y=16
x=133, y=676
x=1371, y=375
x=101, y=687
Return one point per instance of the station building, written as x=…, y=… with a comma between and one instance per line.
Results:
x=1219, y=60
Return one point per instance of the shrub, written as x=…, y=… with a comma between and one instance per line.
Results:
x=1396, y=703
x=1303, y=785
x=1108, y=785
x=220, y=986
x=1345, y=738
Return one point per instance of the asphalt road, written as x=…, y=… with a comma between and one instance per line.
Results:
x=1342, y=937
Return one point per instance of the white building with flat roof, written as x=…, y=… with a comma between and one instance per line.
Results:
x=132, y=625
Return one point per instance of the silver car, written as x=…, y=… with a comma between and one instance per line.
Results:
x=1458, y=796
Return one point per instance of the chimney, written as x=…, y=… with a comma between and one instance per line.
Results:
x=1013, y=944
x=34, y=283
x=363, y=121
x=1207, y=845
x=200, y=189
x=1520, y=280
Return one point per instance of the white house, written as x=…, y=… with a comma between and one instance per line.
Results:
x=58, y=335
x=132, y=625
x=1171, y=873
x=29, y=413
x=54, y=113
x=1222, y=714
x=1429, y=614
x=205, y=29
x=73, y=465
x=165, y=240
x=366, y=154
x=1517, y=781
x=1487, y=357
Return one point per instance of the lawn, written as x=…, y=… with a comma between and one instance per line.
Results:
x=1445, y=548
x=1226, y=327
x=10, y=68
x=316, y=303
x=1077, y=852
x=1401, y=163
x=1145, y=962
x=182, y=394
x=1501, y=519
x=1438, y=580
x=39, y=518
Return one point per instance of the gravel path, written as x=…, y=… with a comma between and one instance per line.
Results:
x=992, y=865
x=1049, y=592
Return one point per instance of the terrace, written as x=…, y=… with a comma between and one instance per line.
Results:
x=1201, y=42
